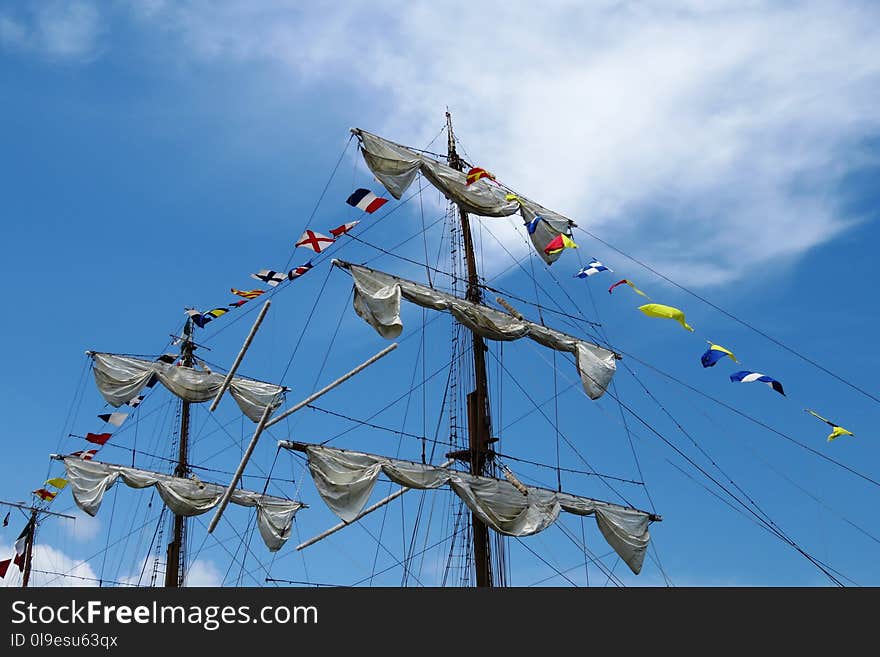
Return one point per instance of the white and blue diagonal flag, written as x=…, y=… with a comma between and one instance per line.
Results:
x=594, y=267
x=747, y=377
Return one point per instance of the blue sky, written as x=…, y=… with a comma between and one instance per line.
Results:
x=155, y=154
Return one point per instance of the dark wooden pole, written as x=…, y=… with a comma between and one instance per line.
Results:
x=479, y=419
x=29, y=549
x=176, y=556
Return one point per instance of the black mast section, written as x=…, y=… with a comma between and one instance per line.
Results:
x=175, y=562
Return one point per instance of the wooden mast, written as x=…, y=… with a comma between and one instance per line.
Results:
x=479, y=419
x=175, y=561
x=29, y=549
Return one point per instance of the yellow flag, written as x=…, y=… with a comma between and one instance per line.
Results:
x=58, y=482
x=839, y=431
x=637, y=290
x=665, y=312
x=836, y=432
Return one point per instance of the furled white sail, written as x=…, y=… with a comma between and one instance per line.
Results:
x=346, y=478
x=396, y=166
x=89, y=480
x=121, y=378
x=377, y=300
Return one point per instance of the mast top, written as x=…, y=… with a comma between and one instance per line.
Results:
x=452, y=154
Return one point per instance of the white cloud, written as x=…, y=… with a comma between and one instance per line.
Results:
x=706, y=137
x=57, y=30
x=203, y=572
x=47, y=561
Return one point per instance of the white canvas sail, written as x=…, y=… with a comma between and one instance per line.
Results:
x=377, y=300
x=121, y=378
x=396, y=166
x=345, y=479
x=90, y=480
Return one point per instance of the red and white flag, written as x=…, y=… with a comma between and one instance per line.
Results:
x=296, y=272
x=314, y=241
x=86, y=454
x=343, y=229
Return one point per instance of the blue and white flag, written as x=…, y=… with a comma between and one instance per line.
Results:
x=747, y=377
x=594, y=267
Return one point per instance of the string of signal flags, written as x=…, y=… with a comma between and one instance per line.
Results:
x=714, y=353
x=361, y=198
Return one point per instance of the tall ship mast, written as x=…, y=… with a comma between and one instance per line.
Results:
x=478, y=412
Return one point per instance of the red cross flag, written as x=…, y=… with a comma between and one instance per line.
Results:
x=314, y=241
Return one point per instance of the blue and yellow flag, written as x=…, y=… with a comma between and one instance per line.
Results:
x=715, y=353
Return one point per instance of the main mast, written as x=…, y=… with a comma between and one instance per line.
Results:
x=175, y=560
x=479, y=419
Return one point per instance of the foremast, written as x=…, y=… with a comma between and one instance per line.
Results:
x=175, y=561
x=479, y=417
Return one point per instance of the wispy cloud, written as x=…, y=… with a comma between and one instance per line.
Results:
x=55, y=30
x=708, y=138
